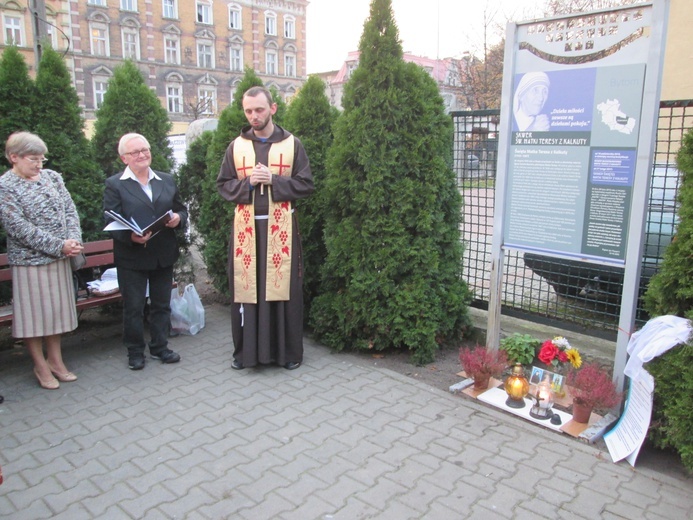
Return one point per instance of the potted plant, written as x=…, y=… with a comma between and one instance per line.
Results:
x=520, y=348
x=591, y=388
x=482, y=364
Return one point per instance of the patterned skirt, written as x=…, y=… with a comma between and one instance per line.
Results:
x=43, y=300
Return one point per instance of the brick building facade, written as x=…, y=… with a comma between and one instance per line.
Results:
x=191, y=52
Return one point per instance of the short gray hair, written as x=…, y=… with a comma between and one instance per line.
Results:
x=127, y=138
x=24, y=143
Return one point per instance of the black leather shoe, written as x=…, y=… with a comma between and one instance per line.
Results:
x=166, y=356
x=136, y=362
x=237, y=365
x=292, y=365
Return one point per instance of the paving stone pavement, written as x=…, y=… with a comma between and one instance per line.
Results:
x=331, y=440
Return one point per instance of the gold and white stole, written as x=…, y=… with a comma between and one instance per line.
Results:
x=279, y=227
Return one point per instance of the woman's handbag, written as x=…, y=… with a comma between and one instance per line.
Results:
x=77, y=262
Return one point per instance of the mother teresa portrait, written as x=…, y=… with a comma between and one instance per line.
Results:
x=530, y=96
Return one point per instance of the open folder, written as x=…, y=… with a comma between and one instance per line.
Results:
x=120, y=223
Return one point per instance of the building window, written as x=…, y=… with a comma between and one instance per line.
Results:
x=204, y=13
x=99, y=39
x=101, y=3
x=236, y=58
x=289, y=27
x=207, y=96
x=174, y=99
x=131, y=43
x=170, y=8
x=128, y=5
x=271, y=62
x=205, y=55
x=13, y=31
x=235, y=21
x=270, y=24
x=290, y=66
x=172, y=49
x=100, y=87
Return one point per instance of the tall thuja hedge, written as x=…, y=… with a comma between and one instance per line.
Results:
x=61, y=126
x=393, y=273
x=17, y=101
x=670, y=292
x=17, y=98
x=216, y=214
x=310, y=117
x=191, y=176
x=129, y=105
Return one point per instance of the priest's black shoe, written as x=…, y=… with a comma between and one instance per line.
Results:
x=292, y=365
x=166, y=356
x=237, y=365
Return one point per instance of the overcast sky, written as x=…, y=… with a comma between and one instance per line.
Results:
x=444, y=28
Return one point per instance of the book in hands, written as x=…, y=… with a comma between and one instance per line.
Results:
x=120, y=223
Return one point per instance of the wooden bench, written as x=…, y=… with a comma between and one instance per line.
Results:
x=99, y=254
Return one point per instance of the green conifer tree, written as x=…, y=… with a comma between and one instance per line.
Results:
x=17, y=98
x=393, y=274
x=191, y=176
x=216, y=214
x=310, y=117
x=670, y=291
x=61, y=126
x=129, y=105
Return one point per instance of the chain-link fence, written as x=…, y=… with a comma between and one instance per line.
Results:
x=572, y=294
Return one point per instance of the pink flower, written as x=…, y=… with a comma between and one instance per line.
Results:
x=562, y=356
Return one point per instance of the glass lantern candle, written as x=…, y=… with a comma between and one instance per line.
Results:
x=517, y=387
x=543, y=401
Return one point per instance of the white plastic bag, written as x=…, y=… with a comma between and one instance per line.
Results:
x=187, y=312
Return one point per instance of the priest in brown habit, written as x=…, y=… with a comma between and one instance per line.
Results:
x=264, y=171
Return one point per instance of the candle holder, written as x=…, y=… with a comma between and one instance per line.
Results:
x=517, y=387
x=543, y=401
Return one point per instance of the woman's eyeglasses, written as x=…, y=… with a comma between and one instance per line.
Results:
x=35, y=160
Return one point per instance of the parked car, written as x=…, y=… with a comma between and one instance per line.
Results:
x=586, y=280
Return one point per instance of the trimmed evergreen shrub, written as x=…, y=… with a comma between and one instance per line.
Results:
x=61, y=126
x=310, y=117
x=17, y=98
x=129, y=105
x=671, y=292
x=191, y=176
x=393, y=273
x=672, y=420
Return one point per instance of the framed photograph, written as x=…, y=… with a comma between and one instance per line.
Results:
x=557, y=380
x=537, y=376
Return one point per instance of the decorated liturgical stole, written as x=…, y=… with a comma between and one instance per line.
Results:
x=279, y=227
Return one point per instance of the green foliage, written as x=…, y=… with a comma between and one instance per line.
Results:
x=17, y=98
x=672, y=420
x=393, y=272
x=61, y=126
x=521, y=348
x=310, y=117
x=191, y=175
x=670, y=291
x=216, y=214
x=129, y=105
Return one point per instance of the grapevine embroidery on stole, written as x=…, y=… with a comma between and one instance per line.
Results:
x=279, y=229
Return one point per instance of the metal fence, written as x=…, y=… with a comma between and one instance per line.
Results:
x=574, y=295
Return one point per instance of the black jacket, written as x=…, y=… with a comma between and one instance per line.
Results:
x=127, y=198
